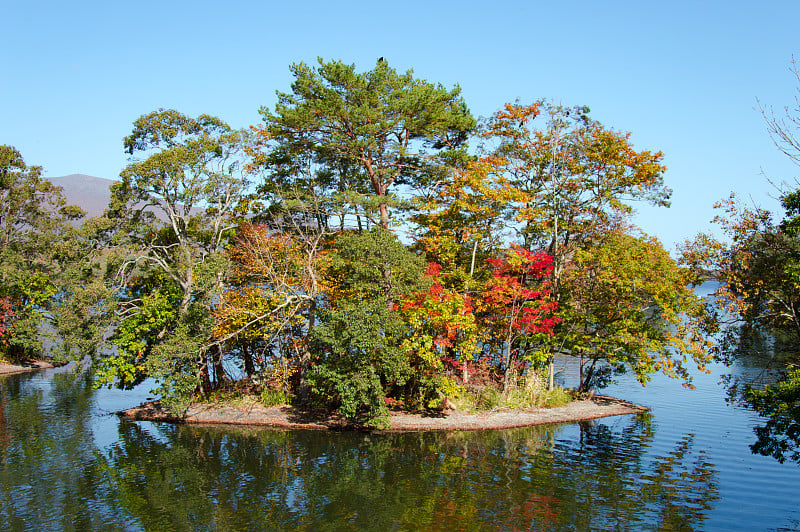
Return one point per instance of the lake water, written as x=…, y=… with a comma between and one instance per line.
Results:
x=68, y=463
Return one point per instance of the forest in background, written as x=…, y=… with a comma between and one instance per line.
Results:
x=372, y=243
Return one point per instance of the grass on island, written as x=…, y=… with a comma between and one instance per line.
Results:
x=523, y=393
x=515, y=398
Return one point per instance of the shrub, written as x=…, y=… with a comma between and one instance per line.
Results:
x=270, y=397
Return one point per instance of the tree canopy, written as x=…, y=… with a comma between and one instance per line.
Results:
x=39, y=249
x=380, y=128
x=173, y=214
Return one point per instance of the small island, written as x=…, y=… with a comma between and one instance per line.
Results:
x=354, y=255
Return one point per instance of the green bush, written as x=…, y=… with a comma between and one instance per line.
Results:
x=359, y=394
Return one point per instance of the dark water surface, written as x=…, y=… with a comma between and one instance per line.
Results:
x=68, y=463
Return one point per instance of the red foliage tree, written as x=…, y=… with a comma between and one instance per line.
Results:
x=516, y=300
x=6, y=313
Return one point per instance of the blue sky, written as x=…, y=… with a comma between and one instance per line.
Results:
x=682, y=77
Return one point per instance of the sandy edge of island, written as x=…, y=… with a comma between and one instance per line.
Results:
x=290, y=417
x=34, y=365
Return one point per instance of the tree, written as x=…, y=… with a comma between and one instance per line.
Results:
x=461, y=222
x=629, y=305
x=380, y=127
x=758, y=270
x=173, y=208
x=576, y=174
x=757, y=264
x=441, y=324
x=358, y=340
x=359, y=359
x=578, y=178
x=188, y=184
x=759, y=281
x=516, y=303
x=37, y=243
x=374, y=265
x=6, y=314
x=779, y=437
x=466, y=214
x=278, y=282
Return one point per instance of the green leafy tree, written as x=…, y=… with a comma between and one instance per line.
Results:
x=758, y=298
x=377, y=130
x=779, y=437
x=360, y=333
x=629, y=305
x=374, y=265
x=757, y=265
x=359, y=356
x=37, y=246
x=174, y=207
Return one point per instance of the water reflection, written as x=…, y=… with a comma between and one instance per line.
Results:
x=163, y=477
x=49, y=477
x=758, y=359
x=203, y=478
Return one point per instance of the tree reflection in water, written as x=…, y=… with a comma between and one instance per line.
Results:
x=761, y=378
x=49, y=478
x=201, y=478
x=163, y=477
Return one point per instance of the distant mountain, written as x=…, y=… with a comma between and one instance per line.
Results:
x=91, y=194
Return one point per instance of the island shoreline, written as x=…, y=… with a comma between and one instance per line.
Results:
x=290, y=417
x=25, y=367
x=254, y=414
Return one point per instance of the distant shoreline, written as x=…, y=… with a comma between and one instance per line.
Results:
x=290, y=417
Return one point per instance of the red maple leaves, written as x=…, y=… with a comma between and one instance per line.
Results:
x=518, y=292
x=6, y=313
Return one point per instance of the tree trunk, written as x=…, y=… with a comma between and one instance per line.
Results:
x=384, y=216
x=216, y=360
x=587, y=379
x=305, y=354
x=204, y=386
x=388, y=288
x=464, y=370
x=507, y=360
x=249, y=368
